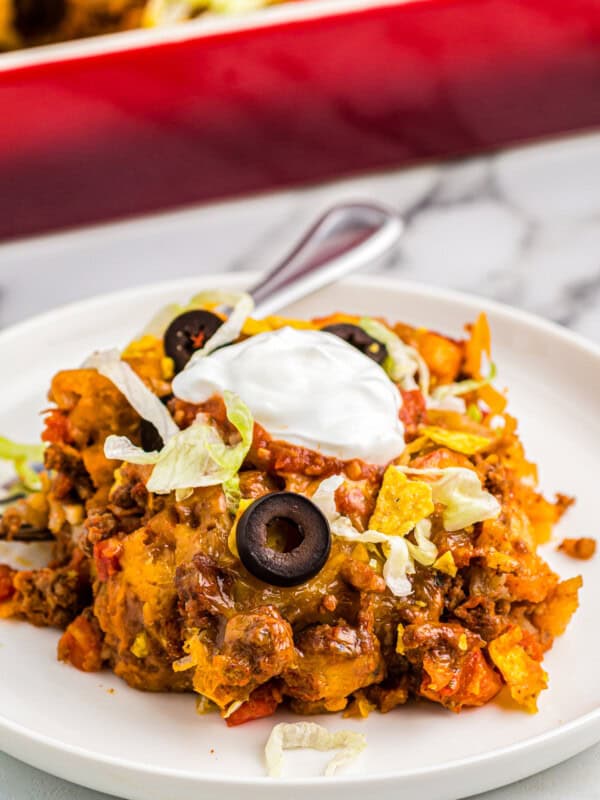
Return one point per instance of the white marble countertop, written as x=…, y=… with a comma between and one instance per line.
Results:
x=522, y=227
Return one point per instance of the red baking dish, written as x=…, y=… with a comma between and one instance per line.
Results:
x=147, y=120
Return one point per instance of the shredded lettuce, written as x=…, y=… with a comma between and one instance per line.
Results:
x=196, y=456
x=167, y=12
x=445, y=392
x=460, y=491
x=229, y=330
x=402, y=362
x=398, y=566
x=238, y=6
x=161, y=320
x=295, y=735
x=446, y=403
x=474, y=412
x=209, y=298
x=128, y=382
x=233, y=495
x=399, y=553
x=22, y=457
x=425, y=552
x=324, y=498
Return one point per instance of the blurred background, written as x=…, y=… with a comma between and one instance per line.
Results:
x=521, y=226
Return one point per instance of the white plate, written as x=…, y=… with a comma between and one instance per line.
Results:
x=154, y=747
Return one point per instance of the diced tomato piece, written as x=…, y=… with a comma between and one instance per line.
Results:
x=472, y=682
x=531, y=644
x=7, y=588
x=57, y=427
x=81, y=645
x=413, y=412
x=262, y=703
x=106, y=556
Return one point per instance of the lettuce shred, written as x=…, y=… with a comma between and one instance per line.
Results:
x=109, y=364
x=459, y=489
x=301, y=735
x=403, y=362
x=23, y=456
x=196, y=456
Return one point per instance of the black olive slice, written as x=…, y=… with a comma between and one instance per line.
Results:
x=283, y=539
x=150, y=438
x=38, y=17
x=359, y=339
x=188, y=332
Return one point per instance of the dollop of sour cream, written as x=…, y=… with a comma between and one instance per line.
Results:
x=306, y=387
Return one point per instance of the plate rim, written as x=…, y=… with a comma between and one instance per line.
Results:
x=237, y=277
x=582, y=725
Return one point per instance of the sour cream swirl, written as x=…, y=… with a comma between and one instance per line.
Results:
x=306, y=387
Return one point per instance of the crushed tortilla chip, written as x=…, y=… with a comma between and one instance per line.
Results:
x=361, y=553
x=552, y=616
x=494, y=399
x=195, y=653
x=231, y=540
x=400, y=649
x=360, y=707
x=478, y=344
x=146, y=356
x=204, y=705
x=523, y=674
x=582, y=548
x=139, y=648
x=501, y=561
x=167, y=366
x=446, y=564
x=145, y=346
x=416, y=446
x=253, y=326
x=460, y=442
x=401, y=503
x=337, y=318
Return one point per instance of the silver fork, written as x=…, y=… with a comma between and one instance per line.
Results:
x=345, y=238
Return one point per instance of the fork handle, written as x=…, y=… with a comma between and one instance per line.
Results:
x=346, y=238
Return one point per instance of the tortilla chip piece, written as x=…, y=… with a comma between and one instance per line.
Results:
x=401, y=503
x=442, y=355
x=360, y=707
x=478, y=344
x=446, y=564
x=252, y=327
x=399, y=639
x=524, y=676
x=473, y=683
x=459, y=441
x=502, y=562
x=146, y=356
x=553, y=615
x=582, y=548
x=495, y=399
